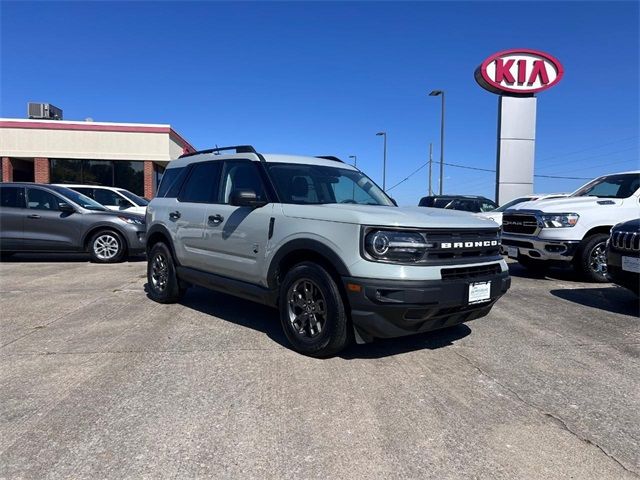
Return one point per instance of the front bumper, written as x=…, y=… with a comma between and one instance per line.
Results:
x=541, y=248
x=136, y=240
x=629, y=280
x=394, y=308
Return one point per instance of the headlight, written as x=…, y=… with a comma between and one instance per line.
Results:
x=132, y=221
x=393, y=246
x=559, y=220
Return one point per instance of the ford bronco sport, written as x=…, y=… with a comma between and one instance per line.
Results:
x=320, y=241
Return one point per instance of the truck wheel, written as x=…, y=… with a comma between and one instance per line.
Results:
x=536, y=267
x=591, y=258
x=107, y=246
x=162, y=281
x=312, y=312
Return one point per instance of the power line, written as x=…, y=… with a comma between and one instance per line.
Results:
x=478, y=169
x=588, y=149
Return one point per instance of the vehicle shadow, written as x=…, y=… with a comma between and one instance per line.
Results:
x=553, y=273
x=59, y=258
x=266, y=319
x=610, y=299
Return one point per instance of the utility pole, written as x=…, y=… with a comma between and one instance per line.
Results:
x=384, y=160
x=440, y=93
x=430, y=165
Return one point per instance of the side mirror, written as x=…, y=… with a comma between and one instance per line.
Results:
x=123, y=204
x=65, y=207
x=244, y=197
x=393, y=200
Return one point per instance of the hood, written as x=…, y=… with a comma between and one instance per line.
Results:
x=419, y=217
x=567, y=204
x=495, y=216
x=115, y=213
x=630, y=226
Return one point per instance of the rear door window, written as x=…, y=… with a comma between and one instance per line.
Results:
x=12, y=197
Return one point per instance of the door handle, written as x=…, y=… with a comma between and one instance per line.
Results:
x=175, y=215
x=33, y=215
x=215, y=219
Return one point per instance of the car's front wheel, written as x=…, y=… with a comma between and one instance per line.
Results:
x=312, y=311
x=107, y=246
x=591, y=259
x=162, y=280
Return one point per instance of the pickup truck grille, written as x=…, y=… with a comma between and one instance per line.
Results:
x=626, y=241
x=520, y=223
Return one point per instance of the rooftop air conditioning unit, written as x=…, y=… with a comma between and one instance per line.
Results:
x=44, y=111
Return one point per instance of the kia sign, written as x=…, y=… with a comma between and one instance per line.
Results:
x=519, y=72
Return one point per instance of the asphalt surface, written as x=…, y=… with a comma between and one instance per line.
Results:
x=97, y=381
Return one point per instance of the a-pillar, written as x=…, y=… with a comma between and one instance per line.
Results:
x=41, y=170
x=7, y=169
x=516, y=147
x=149, y=180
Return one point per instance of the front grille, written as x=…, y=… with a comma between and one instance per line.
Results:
x=626, y=241
x=463, y=273
x=520, y=223
x=462, y=244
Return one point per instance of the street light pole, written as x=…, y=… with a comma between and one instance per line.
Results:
x=430, y=165
x=355, y=160
x=353, y=187
x=436, y=93
x=384, y=161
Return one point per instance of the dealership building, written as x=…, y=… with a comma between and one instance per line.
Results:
x=127, y=155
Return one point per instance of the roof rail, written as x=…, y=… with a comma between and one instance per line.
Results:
x=237, y=148
x=330, y=157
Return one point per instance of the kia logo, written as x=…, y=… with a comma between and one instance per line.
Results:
x=521, y=72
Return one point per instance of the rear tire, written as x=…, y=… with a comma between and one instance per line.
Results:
x=312, y=311
x=162, y=280
x=536, y=267
x=107, y=246
x=591, y=258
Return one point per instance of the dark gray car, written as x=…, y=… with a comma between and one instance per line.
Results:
x=47, y=218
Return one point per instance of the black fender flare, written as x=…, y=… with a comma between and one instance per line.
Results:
x=304, y=244
x=159, y=228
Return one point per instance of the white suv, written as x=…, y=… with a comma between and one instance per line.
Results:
x=113, y=198
x=319, y=240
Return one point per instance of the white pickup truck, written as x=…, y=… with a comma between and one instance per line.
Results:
x=572, y=230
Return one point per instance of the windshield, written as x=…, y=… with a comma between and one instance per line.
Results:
x=513, y=202
x=139, y=201
x=612, y=186
x=317, y=184
x=79, y=199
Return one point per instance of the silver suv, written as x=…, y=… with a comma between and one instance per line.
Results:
x=320, y=241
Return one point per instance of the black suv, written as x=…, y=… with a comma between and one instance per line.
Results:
x=47, y=218
x=623, y=255
x=466, y=203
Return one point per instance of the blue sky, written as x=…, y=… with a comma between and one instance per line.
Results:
x=323, y=78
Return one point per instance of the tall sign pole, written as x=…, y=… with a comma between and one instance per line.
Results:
x=430, y=166
x=517, y=75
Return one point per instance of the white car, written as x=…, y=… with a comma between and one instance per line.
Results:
x=572, y=230
x=496, y=215
x=113, y=198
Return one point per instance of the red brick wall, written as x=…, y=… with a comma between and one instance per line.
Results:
x=41, y=172
x=7, y=170
x=149, y=181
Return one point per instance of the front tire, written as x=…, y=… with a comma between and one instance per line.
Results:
x=162, y=280
x=107, y=246
x=591, y=258
x=312, y=311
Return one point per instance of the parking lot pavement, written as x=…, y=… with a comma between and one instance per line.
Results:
x=97, y=381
